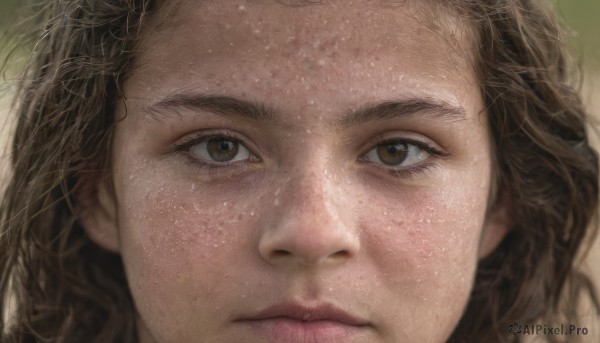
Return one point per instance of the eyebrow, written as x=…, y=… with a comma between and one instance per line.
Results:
x=217, y=104
x=405, y=108
x=230, y=106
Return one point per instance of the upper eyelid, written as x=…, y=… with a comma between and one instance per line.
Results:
x=199, y=137
x=429, y=148
x=411, y=137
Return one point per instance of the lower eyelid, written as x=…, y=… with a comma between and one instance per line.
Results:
x=412, y=171
x=212, y=169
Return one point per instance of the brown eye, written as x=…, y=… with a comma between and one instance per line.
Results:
x=392, y=154
x=220, y=149
x=397, y=154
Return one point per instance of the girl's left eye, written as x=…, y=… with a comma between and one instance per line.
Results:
x=220, y=150
x=397, y=154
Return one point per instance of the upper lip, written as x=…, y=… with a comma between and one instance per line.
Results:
x=306, y=312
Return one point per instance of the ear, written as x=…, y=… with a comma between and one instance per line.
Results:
x=97, y=213
x=498, y=223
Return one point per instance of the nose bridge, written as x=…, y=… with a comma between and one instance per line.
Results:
x=312, y=186
x=310, y=191
x=310, y=225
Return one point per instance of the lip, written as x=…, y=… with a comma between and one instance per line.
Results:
x=306, y=323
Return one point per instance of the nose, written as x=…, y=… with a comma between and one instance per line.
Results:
x=311, y=225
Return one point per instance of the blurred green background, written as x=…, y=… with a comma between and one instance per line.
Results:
x=583, y=16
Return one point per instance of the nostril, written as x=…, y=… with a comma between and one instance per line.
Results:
x=281, y=253
x=342, y=254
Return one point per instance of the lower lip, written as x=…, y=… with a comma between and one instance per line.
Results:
x=295, y=331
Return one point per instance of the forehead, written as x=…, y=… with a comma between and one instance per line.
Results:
x=273, y=44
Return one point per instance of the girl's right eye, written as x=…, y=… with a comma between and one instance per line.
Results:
x=220, y=150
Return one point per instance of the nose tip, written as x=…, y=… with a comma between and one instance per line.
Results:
x=310, y=230
x=308, y=246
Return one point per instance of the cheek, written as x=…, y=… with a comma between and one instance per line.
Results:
x=179, y=246
x=426, y=248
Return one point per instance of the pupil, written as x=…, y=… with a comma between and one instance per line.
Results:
x=222, y=150
x=226, y=146
x=392, y=153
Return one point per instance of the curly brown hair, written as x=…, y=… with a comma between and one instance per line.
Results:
x=64, y=288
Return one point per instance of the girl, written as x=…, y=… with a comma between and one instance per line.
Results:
x=338, y=171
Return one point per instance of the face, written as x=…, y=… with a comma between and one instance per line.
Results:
x=305, y=173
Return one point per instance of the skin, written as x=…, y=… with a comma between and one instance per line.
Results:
x=312, y=217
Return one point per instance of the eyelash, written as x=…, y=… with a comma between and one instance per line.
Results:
x=404, y=173
x=414, y=170
x=184, y=147
x=410, y=172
